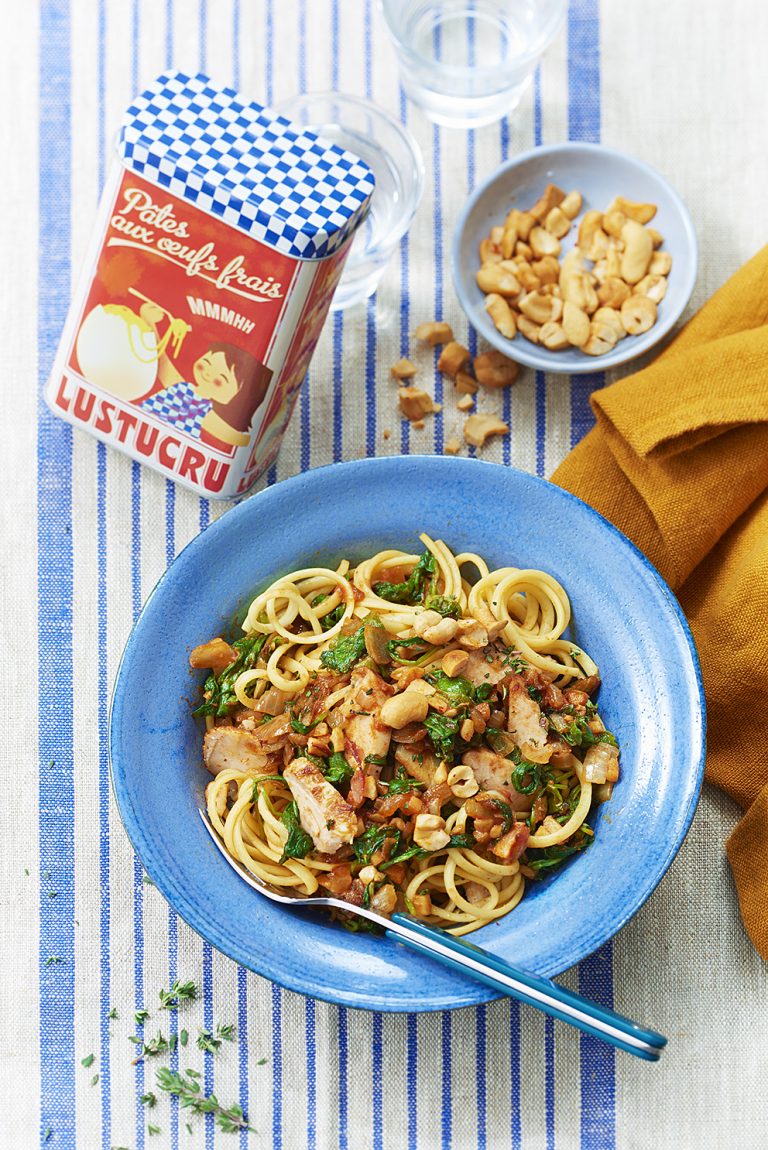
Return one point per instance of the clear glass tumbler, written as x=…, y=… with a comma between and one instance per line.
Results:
x=393, y=156
x=466, y=63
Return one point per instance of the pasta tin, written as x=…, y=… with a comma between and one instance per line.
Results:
x=222, y=234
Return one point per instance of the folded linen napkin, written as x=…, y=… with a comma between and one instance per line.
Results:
x=678, y=461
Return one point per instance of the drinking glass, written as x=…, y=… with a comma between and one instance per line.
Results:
x=393, y=156
x=466, y=63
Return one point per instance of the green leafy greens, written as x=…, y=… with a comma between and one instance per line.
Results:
x=298, y=844
x=220, y=689
x=413, y=590
x=443, y=732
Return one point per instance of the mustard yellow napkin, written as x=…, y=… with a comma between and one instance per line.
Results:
x=678, y=461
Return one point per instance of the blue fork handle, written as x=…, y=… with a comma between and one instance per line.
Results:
x=542, y=993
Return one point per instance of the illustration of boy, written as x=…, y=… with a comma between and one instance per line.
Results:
x=218, y=404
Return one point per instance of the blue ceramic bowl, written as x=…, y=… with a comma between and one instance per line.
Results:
x=623, y=614
x=599, y=174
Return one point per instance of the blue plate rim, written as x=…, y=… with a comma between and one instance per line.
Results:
x=194, y=918
x=518, y=349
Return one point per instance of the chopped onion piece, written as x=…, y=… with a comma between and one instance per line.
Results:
x=601, y=763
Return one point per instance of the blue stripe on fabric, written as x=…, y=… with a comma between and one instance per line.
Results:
x=168, y=33
x=370, y=325
x=549, y=1082
x=55, y=574
x=541, y=422
x=598, y=1061
x=506, y=402
x=584, y=71
x=203, y=36
x=170, y=551
x=446, y=1106
x=277, y=1069
x=437, y=226
x=412, y=1077
x=343, y=1079
x=335, y=45
x=236, y=44
x=310, y=1043
x=480, y=1082
x=101, y=678
x=378, y=1085
x=138, y=870
x=242, y=1048
x=515, y=1113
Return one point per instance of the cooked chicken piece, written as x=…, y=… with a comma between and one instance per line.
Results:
x=478, y=670
x=323, y=813
x=234, y=747
x=493, y=772
x=420, y=763
x=364, y=733
x=526, y=724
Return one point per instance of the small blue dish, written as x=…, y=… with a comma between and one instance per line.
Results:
x=599, y=174
x=623, y=614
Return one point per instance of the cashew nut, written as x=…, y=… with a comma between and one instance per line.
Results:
x=550, y=198
x=638, y=249
x=557, y=223
x=657, y=239
x=434, y=333
x=461, y=779
x=592, y=239
x=479, y=428
x=403, y=369
x=528, y=328
x=466, y=403
x=543, y=242
x=442, y=632
x=454, y=662
x=472, y=634
x=638, y=313
x=493, y=369
x=553, y=337
x=654, y=287
x=571, y=205
x=523, y=251
x=502, y=315
x=575, y=324
x=528, y=278
x=453, y=358
x=424, y=620
x=414, y=402
x=574, y=283
x=494, y=278
x=464, y=383
x=612, y=292
x=521, y=221
x=429, y=832
x=547, y=269
x=661, y=263
x=642, y=213
x=609, y=317
x=489, y=253
x=597, y=346
x=540, y=308
x=400, y=710
x=508, y=240
x=613, y=222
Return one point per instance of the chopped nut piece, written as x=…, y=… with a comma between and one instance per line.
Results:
x=490, y=253
x=465, y=383
x=466, y=403
x=501, y=314
x=544, y=243
x=643, y=213
x=494, y=369
x=522, y=223
x=451, y=447
x=418, y=424
x=575, y=324
x=552, y=336
x=497, y=278
x=638, y=249
x=571, y=205
x=661, y=262
x=557, y=223
x=453, y=358
x=528, y=328
x=454, y=662
x=403, y=369
x=479, y=428
x=612, y=292
x=386, y=433
x=551, y=197
x=434, y=333
x=414, y=402
x=638, y=313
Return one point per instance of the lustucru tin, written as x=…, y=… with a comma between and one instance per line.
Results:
x=222, y=234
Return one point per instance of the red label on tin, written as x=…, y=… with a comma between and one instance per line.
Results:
x=181, y=317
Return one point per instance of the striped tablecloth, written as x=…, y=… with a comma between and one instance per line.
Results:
x=87, y=533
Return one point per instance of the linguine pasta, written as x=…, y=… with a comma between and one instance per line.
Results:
x=415, y=732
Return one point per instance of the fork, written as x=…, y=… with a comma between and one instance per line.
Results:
x=468, y=959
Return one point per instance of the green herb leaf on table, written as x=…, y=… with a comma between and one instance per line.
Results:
x=180, y=992
x=186, y=1088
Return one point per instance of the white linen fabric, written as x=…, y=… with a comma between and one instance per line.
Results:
x=87, y=533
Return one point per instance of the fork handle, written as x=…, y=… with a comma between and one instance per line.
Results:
x=542, y=993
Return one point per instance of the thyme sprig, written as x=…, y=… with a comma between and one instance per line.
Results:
x=186, y=1087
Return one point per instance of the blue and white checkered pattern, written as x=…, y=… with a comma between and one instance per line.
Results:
x=179, y=406
x=248, y=166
